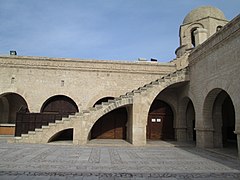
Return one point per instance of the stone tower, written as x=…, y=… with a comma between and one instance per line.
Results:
x=197, y=26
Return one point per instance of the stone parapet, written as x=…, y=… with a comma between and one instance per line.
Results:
x=86, y=65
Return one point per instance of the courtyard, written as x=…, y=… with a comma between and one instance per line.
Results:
x=106, y=159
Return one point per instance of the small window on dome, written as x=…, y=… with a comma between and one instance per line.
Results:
x=219, y=28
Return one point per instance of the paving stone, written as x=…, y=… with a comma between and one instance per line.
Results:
x=39, y=161
x=6, y=177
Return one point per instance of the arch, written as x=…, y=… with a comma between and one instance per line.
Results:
x=123, y=103
x=139, y=105
x=218, y=28
x=191, y=27
x=160, y=121
x=10, y=104
x=187, y=119
x=193, y=41
x=61, y=104
x=101, y=95
x=152, y=96
x=63, y=135
x=112, y=125
x=219, y=115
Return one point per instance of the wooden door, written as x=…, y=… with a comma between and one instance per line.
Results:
x=60, y=104
x=155, y=125
x=160, y=122
x=111, y=125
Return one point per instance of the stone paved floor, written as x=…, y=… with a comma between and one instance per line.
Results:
x=51, y=161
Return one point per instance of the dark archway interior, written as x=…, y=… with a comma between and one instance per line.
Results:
x=65, y=135
x=190, y=115
x=160, y=121
x=10, y=104
x=229, y=138
x=193, y=37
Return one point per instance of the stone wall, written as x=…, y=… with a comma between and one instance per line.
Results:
x=85, y=81
x=214, y=66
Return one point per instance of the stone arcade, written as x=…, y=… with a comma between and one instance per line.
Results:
x=193, y=98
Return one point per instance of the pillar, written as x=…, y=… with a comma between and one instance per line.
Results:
x=139, y=121
x=200, y=36
x=204, y=137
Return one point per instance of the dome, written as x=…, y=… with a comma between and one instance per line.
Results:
x=203, y=12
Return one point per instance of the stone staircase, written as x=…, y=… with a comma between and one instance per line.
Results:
x=46, y=132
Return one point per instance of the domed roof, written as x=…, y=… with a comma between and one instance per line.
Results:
x=203, y=12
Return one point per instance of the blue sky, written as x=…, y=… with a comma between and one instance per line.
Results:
x=98, y=29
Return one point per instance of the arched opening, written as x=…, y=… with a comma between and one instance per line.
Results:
x=64, y=135
x=193, y=37
x=160, y=121
x=112, y=125
x=219, y=113
x=190, y=119
x=10, y=104
x=60, y=104
x=218, y=28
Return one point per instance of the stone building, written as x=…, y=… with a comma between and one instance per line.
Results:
x=193, y=98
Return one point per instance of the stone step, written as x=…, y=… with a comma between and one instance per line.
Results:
x=160, y=80
x=130, y=94
x=24, y=135
x=31, y=132
x=17, y=138
x=173, y=74
x=67, y=119
x=155, y=83
x=118, y=99
x=148, y=85
x=105, y=103
x=51, y=124
x=59, y=122
x=45, y=127
x=167, y=77
x=38, y=130
x=111, y=101
x=98, y=106
x=143, y=88
x=124, y=96
x=137, y=91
